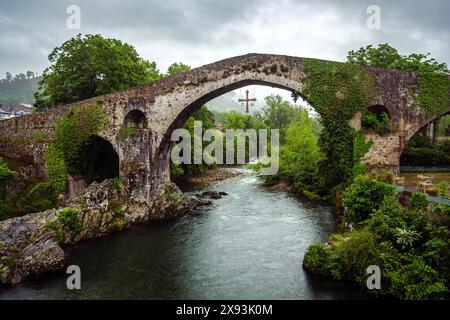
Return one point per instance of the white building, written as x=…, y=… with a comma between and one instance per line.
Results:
x=11, y=111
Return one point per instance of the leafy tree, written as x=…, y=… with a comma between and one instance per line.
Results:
x=236, y=120
x=88, y=66
x=177, y=68
x=386, y=56
x=301, y=154
x=278, y=114
x=364, y=197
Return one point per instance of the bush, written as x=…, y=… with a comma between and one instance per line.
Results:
x=443, y=189
x=379, y=123
x=316, y=259
x=409, y=277
x=418, y=201
x=69, y=218
x=349, y=258
x=387, y=218
x=117, y=184
x=364, y=197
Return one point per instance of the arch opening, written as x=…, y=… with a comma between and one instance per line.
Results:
x=376, y=118
x=266, y=88
x=136, y=119
x=100, y=160
x=427, y=153
x=164, y=148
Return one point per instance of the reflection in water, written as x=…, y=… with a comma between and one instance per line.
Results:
x=248, y=245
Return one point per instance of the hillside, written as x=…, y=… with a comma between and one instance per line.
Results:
x=18, y=90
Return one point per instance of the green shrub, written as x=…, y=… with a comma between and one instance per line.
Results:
x=127, y=132
x=117, y=183
x=379, y=123
x=364, y=197
x=443, y=189
x=418, y=201
x=69, y=218
x=349, y=258
x=389, y=216
x=58, y=232
x=316, y=258
x=409, y=277
x=406, y=238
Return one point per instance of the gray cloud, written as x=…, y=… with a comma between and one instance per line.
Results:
x=199, y=32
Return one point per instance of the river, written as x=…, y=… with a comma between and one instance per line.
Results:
x=247, y=245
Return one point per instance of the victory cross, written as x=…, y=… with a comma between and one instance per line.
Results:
x=247, y=101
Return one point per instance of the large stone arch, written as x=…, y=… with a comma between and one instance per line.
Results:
x=202, y=96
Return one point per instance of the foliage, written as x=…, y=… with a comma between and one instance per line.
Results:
x=410, y=244
x=388, y=57
x=73, y=131
x=127, y=132
x=360, y=147
x=278, y=114
x=418, y=201
x=337, y=91
x=67, y=222
x=379, y=123
x=443, y=189
x=5, y=174
x=350, y=257
x=363, y=197
x=36, y=197
x=316, y=258
x=426, y=156
x=301, y=154
x=56, y=168
x=406, y=238
x=409, y=277
x=88, y=66
x=175, y=68
x=207, y=119
x=117, y=184
x=68, y=217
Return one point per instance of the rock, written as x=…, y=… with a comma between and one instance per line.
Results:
x=211, y=194
x=42, y=257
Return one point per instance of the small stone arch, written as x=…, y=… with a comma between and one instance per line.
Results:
x=379, y=111
x=100, y=160
x=137, y=119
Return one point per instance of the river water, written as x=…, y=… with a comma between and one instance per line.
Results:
x=247, y=245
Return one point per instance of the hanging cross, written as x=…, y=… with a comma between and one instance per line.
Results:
x=247, y=101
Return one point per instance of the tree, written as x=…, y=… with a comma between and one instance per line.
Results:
x=8, y=77
x=177, y=68
x=278, y=114
x=386, y=56
x=87, y=66
x=30, y=74
x=301, y=154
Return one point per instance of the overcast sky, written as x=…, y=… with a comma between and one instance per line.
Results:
x=204, y=31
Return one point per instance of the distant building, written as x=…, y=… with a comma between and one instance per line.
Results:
x=8, y=111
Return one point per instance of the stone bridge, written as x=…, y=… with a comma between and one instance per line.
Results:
x=165, y=105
